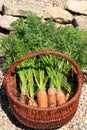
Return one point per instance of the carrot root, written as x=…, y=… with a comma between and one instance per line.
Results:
x=42, y=98
x=52, y=102
x=32, y=102
x=23, y=98
x=61, y=99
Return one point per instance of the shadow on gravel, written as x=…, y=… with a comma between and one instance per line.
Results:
x=85, y=76
x=5, y=106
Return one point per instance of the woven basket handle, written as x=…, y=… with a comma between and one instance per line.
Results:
x=15, y=64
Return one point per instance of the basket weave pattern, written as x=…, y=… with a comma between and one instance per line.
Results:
x=42, y=118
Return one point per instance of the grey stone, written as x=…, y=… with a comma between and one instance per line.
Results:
x=1, y=4
x=59, y=14
x=22, y=9
x=81, y=22
x=77, y=6
x=5, y=21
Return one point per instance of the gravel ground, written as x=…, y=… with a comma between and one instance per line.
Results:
x=43, y=3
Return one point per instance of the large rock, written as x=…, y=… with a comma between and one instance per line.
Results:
x=1, y=4
x=22, y=8
x=77, y=6
x=81, y=22
x=5, y=21
x=59, y=14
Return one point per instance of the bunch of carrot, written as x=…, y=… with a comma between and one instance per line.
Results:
x=44, y=85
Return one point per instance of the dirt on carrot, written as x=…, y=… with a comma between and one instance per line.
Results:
x=23, y=98
x=32, y=102
x=61, y=99
x=52, y=101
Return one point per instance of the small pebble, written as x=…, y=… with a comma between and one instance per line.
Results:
x=85, y=122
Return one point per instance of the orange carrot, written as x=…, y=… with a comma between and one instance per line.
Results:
x=52, y=102
x=60, y=81
x=42, y=98
x=32, y=102
x=61, y=99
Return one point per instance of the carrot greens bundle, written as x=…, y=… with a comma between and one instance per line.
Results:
x=30, y=83
x=22, y=83
x=41, y=80
x=26, y=82
x=57, y=70
x=60, y=82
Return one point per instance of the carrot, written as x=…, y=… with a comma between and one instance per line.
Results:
x=23, y=85
x=42, y=98
x=56, y=79
x=41, y=81
x=31, y=89
x=23, y=98
x=26, y=82
x=60, y=81
x=52, y=102
x=61, y=99
x=32, y=102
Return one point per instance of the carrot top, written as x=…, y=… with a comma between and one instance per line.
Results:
x=40, y=77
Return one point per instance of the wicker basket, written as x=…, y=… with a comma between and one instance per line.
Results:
x=42, y=118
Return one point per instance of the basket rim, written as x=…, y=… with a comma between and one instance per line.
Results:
x=8, y=77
